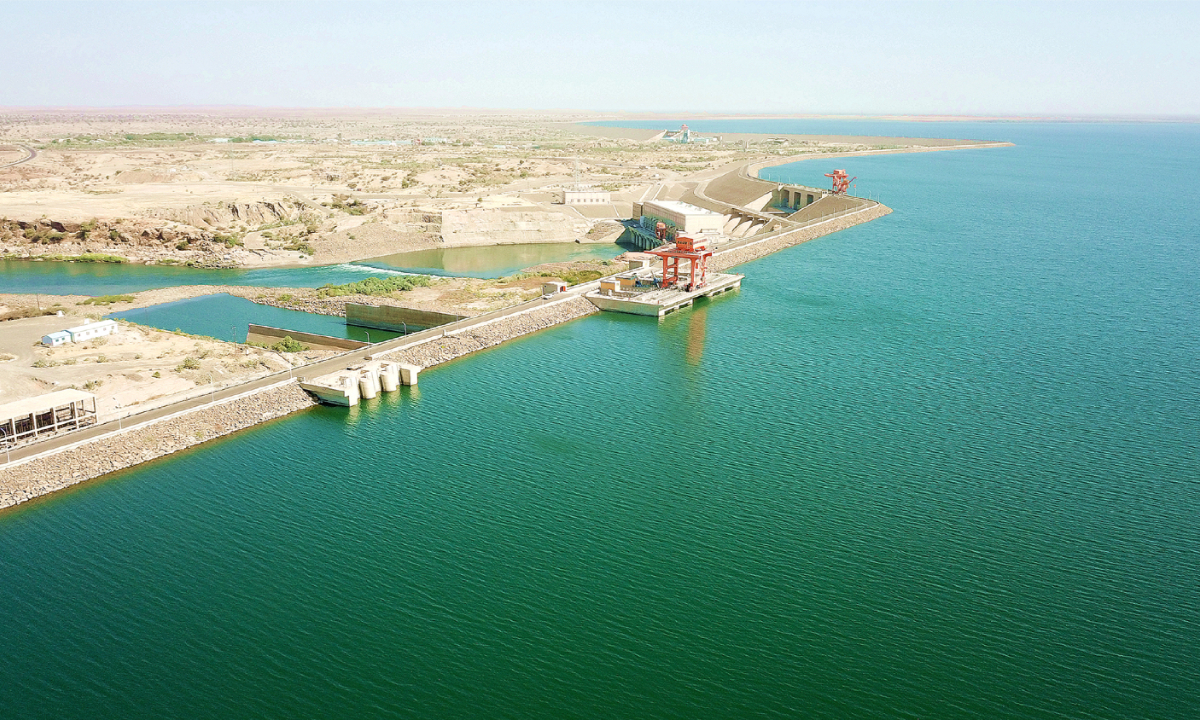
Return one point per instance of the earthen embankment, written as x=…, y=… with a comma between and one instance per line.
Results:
x=109, y=453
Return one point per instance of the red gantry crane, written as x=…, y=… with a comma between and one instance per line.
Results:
x=841, y=181
x=696, y=252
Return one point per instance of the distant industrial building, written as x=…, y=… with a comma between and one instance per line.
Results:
x=87, y=331
x=685, y=136
x=585, y=196
x=52, y=412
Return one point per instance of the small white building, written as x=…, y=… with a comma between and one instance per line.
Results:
x=88, y=331
x=585, y=196
x=55, y=339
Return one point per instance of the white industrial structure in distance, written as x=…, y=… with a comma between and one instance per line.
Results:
x=585, y=196
x=88, y=331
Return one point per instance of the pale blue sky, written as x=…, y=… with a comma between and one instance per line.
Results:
x=1130, y=58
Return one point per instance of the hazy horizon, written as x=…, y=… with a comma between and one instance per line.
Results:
x=886, y=58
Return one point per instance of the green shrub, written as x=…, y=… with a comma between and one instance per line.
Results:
x=289, y=344
x=375, y=286
x=189, y=363
x=100, y=258
x=106, y=300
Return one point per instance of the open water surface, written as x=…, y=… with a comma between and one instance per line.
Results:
x=941, y=465
x=60, y=278
x=226, y=317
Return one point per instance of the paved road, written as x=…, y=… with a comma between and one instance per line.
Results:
x=32, y=154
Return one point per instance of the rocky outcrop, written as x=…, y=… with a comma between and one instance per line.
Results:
x=146, y=241
x=227, y=214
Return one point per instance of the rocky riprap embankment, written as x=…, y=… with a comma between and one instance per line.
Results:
x=729, y=258
x=117, y=451
x=444, y=349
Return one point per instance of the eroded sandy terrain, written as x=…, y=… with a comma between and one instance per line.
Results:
x=220, y=188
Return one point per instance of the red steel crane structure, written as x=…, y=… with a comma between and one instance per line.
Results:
x=841, y=181
x=696, y=252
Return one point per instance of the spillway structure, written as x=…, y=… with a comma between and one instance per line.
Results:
x=364, y=381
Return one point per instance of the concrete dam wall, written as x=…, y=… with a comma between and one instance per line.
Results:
x=396, y=319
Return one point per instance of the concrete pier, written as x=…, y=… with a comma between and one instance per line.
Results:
x=658, y=301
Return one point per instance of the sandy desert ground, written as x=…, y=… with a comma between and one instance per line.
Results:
x=217, y=187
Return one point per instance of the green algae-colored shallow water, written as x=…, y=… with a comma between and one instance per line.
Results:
x=941, y=465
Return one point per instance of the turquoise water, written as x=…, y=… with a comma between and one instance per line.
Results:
x=58, y=278
x=941, y=465
x=226, y=317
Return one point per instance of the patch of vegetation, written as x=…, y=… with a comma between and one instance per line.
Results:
x=376, y=286
x=92, y=384
x=156, y=374
x=349, y=205
x=285, y=297
x=189, y=363
x=106, y=300
x=289, y=345
x=43, y=235
x=98, y=258
x=231, y=240
x=44, y=363
x=302, y=247
x=575, y=277
x=23, y=313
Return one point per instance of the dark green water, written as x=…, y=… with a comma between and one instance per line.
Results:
x=942, y=465
x=226, y=317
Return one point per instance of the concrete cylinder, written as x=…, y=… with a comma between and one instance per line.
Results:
x=366, y=384
x=389, y=376
x=408, y=374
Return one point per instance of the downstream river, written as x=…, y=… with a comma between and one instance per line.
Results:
x=940, y=465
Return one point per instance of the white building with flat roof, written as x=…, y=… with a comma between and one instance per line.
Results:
x=688, y=218
x=88, y=331
x=585, y=196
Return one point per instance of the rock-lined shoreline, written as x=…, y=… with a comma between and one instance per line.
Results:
x=443, y=349
x=124, y=449
x=736, y=256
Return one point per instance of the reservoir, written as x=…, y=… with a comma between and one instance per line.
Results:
x=939, y=465
x=226, y=317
